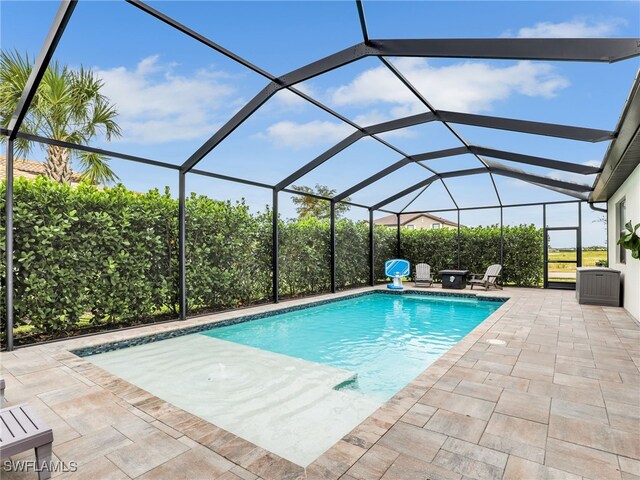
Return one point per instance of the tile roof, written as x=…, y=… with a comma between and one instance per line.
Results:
x=408, y=217
x=29, y=169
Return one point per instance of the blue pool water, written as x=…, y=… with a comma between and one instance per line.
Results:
x=386, y=339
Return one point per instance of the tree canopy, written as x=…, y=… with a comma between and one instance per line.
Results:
x=307, y=206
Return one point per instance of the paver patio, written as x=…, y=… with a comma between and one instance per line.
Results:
x=558, y=396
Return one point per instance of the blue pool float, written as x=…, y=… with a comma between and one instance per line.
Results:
x=396, y=269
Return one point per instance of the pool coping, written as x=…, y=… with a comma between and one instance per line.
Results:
x=331, y=464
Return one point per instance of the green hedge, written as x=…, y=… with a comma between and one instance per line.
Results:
x=86, y=257
x=228, y=255
x=352, y=254
x=479, y=248
x=304, y=257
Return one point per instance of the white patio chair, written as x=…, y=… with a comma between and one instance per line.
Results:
x=423, y=276
x=488, y=279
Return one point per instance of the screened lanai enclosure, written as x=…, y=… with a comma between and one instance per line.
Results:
x=452, y=157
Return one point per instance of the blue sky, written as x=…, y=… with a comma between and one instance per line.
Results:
x=172, y=93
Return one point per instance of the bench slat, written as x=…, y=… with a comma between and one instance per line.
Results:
x=22, y=429
x=11, y=428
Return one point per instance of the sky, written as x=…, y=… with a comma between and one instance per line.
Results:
x=173, y=93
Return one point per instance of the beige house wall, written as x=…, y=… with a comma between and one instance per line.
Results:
x=422, y=223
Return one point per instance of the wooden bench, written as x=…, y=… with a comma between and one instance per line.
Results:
x=21, y=429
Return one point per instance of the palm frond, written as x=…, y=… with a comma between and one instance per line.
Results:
x=96, y=169
x=14, y=73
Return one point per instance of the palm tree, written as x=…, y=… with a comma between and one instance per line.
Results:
x=67, y=106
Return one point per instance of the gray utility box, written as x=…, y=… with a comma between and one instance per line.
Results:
x=598, y=286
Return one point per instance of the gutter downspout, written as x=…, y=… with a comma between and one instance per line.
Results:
x=597, y=209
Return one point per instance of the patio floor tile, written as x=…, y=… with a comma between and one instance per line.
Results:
x=629, y=465
x=146, y=453
x=478, y=390
x=517, y=429
x=579, y=411
x=537, y=358
x=524, y=405
x=466, y=466
x=339, y=458
x=506, y=382
x=476, y=452
x=581, y=460
x=91, y=446
x=601, y=437
x=458, y=403
x=563, y=392
x=620, y=393
x=519, y=468
x=532, y=371
x=456, y=425
x=374, y=463
x=411, y=468
x=198, y=462
x=624, y=417
x=414, y=441
x=242, y=473
x=515, y=436
x=419, y=414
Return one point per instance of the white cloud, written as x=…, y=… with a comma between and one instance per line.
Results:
x=466, y=86
x=157, y=106
x=576, y=28
x=302, y=135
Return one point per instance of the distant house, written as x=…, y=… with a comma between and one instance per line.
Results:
x=29, y=169
x=416, y=221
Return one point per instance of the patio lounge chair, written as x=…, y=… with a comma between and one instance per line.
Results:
x=488, y=279
x=423, y=276
x=21, y=429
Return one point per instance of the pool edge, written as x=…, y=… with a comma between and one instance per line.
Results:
x=202, y=327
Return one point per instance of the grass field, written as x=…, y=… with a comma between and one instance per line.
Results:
x=565, y=272
x=589, y=258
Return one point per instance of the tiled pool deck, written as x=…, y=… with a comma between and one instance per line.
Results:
x=560, y=398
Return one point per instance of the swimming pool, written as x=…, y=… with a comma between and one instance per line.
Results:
x=296, y=382
x=387, y=340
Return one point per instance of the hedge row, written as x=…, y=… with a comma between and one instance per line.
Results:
x=480, y=247
x=86, y=257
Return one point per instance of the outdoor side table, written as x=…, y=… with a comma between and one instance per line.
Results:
x=456, y=279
